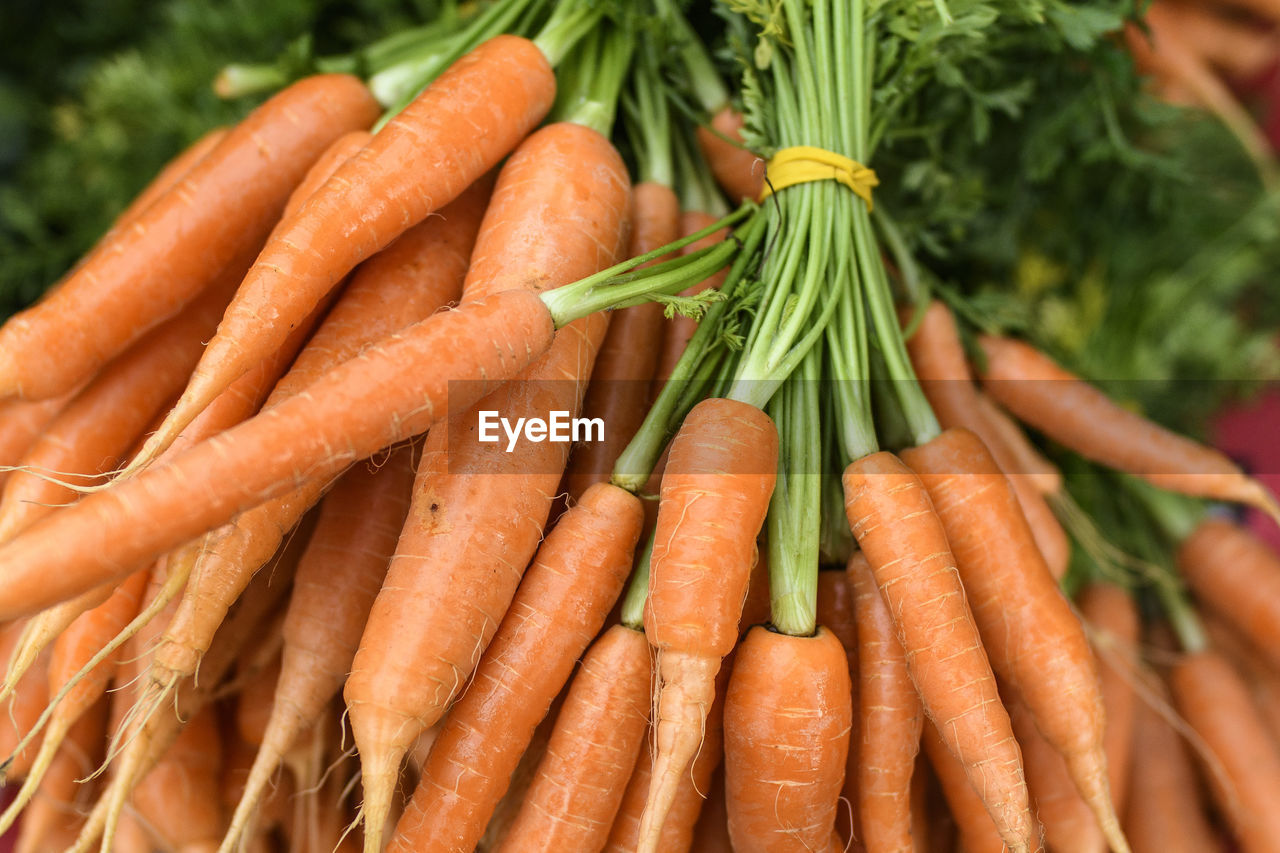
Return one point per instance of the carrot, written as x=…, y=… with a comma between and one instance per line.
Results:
x=222, y=209
x=678, y=830
x=619, y=389
x=787, y=718
x=560, y=605
x=1068, y=822
x=1077, y=415
x=738, y=170
x=338, y=578
x=680, y=329
x=1112, y=616
x=254, y=704
x=461, y=125
x=939, y=361
x=894, y=522
x=21, y=422
x=396, y=277
x=582, y=777
x=1027, y=460
x=544, y=228
x=1241, y=49
x=836, y=611
x=179, y=798
x=1263, y=680
x=1034, y=640
x=30, y=693
x=1241, y=760
x=111, y=413
x=71, y=696
x=1166, y=811
x=711, y=832
x=1237, y=576
x=53, y=811
x=366, y=388
x=715, y=492
x=890, y=721
x=977, y=831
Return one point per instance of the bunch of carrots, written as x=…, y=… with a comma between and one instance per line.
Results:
x=265, y=584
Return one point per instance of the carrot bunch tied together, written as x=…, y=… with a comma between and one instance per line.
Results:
x=300, y=577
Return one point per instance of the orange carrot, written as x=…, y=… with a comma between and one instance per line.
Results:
x=1077, y=415
x=560, y=605
x=410, y=394
x=191, y=766
x=1027, y=460
x=715, y=492
x=222, y=209
x=1242, y=763
x=362, y=314
x=107, y=417
x=894, y=522
x=338, y=578
x=1112, y=616
x=679, y=329
x=461, y=126
x=1034, y=640
x=976, y=829
x=678, y=830
x=787, y=718
x=255, y=702
x=890, y=721
x=21, y=422
x=711, y=833
x=70, y=652
x=476, y=530
x=939, y=361
x=1068, y=822
x=1239, y=48
x=53, y=811
x=581, y=779
x=1237, y=576
x=30, y=694
x=837, y=612
x=738, y=171
x=1166, y=811
x=1263, y=680
x=619, y=390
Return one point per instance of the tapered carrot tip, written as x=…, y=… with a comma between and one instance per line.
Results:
x=378, y=774
x=1091, y=769
x=686, y=689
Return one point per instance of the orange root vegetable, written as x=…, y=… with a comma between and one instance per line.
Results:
x=976, y=830
x=1237, y=576
x=739, y=172
x=192, y=766
x=1079, y=416
x=939, y=361
x=581, y=779
x=476, y=531
x=104, y=421
x=1112, y=616
x=679, y=829
x=54, y=810
x=222, y=209
x=711, y=833
x=890, y=720
x=715, y=491
x=1068, y=822
x=619, y=390
x=1033, y=638
x=894, y=522
x=21, y=422
x=454, y=132
x=1166, y=811
x=23, y=707
x=1026, y=460
x=787, y=718
x=338, y=577
x=255, y=702
x=1261, y=676
x=1241, y=761
x=70, y=694
x=837, y=613
x=559, y=607
x=679, y=329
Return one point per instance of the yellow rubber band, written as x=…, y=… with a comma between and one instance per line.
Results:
x=803, y=163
